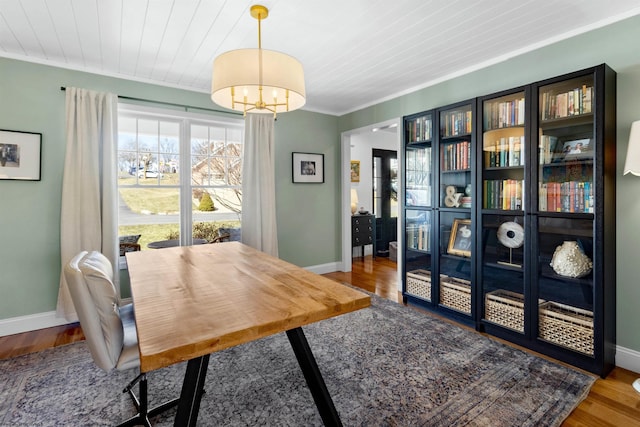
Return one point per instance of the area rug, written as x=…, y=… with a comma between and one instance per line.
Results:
x=387, y=365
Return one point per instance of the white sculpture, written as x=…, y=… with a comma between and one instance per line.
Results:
x=570, y=261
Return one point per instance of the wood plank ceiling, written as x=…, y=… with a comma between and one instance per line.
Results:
x=355, y=53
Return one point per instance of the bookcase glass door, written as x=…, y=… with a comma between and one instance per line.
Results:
x=565, y=283
x=455, y=149
x=502, y=228
x=566, y=208
x=419, y=242
x=454, y=258
x=418, y=161
x=503, y=266
x=566, y=146
x=503, y=152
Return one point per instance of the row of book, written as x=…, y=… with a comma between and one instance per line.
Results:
x=503, y=194
x=456, y=123
x=456, y=156
x=508, y=151
x=419, y=237
x=570, y=196
x=420, y=129
x=547, y=149
x=504, y=114
x=573, y=102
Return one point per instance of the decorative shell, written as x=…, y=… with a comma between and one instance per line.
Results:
x=570, y=261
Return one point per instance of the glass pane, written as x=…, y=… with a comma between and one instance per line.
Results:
x=504, y=148
x=153, y=213
x=456, y=126
x=503, y=270
x=566, y=147
x=393, y=202
x=418, y=255
x=565, y=281
x=377, y=185
x=456, y=249
x=418, y=176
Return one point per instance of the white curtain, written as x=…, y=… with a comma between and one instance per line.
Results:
x=89, y=212
x=259, y=228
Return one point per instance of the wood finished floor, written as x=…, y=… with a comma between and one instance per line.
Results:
x=611, y=402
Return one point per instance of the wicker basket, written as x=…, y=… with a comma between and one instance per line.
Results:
x=419, y=283
x=567, y=326
x=505, y=308
x=456, y=294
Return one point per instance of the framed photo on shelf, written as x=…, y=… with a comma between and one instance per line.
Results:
x=460, y=240
x=577, y=149
x=307, y=168
x=355, y=170
x=20, y=155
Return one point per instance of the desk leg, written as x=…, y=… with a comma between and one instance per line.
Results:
x=313, y=377
x=192, y=389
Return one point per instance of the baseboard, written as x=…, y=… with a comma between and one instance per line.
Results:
x=628, y=359
x=32, y=322
x=324, y=268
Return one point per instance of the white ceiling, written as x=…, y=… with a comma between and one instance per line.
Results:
x=355, y=52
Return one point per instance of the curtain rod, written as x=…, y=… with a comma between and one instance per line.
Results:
x=186, y=107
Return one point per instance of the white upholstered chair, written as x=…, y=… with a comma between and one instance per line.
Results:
x=109, y=328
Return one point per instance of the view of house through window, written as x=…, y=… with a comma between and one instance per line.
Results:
x=179, y=176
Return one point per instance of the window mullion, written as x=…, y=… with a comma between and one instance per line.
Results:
x=186, y=213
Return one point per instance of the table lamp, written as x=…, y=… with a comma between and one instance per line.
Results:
x=354, y=201
x=632, y=165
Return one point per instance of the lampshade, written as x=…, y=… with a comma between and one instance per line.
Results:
x=354, y=200
x=258, y=80
x=632, y=162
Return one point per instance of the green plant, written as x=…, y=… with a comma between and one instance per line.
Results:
x=206, y=204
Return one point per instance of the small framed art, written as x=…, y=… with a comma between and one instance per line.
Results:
x=460, y=240
x=355, y=170
x=20, y=155
x=308, y=168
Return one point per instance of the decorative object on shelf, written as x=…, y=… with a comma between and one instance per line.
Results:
x=511, y=235
x=355, y=170
x=467, y=190
x=20, y=155
x=452, y=197
x=363, y=211
x=307, y=168
x=569, y=260
x=258, y=80
x=460, y=239
x=354, y=201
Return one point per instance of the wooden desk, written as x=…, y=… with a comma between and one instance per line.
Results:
x=192, y=301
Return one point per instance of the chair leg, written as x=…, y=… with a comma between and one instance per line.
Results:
x=142, y=404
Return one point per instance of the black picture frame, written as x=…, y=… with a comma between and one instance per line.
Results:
x=307, y=168
x=20, y=155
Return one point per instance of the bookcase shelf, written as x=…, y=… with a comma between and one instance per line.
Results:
x=506, y=180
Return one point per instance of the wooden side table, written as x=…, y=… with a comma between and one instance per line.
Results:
x=363, y=231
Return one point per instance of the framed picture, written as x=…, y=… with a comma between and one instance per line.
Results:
x=20, y=155
x=308, y=168
x=355, y=170
x=460, y=239
x=577, y=149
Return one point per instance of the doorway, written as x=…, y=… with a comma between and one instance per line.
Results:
x=385, y=198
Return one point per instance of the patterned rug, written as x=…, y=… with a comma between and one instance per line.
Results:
x=388, y=365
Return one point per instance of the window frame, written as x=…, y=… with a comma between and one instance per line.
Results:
x=185, y=120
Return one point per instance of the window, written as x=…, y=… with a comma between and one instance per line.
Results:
x=179, y=175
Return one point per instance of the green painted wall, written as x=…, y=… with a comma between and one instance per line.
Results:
x=615, y=45
x=308, y=214
x=31, y=100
